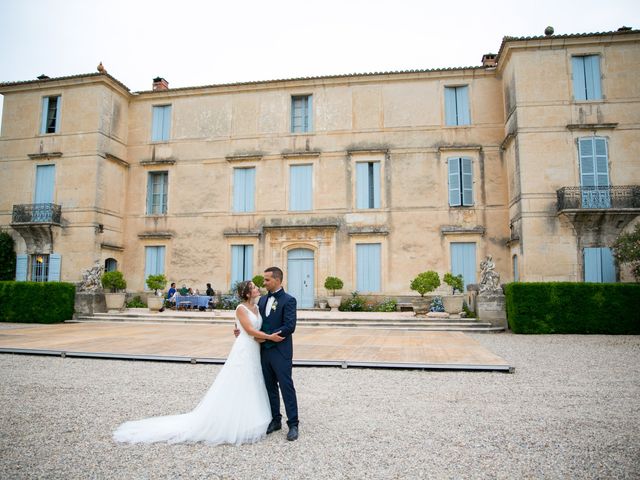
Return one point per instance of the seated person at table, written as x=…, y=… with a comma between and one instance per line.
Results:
x=210, y=291
x=171, y=294
x=184, y=290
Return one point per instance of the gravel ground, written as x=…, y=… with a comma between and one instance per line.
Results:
x=571, y=410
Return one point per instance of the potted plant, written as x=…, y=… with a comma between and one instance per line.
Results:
x=453, y=303
x=114, y=281
x=156, y=283
x=258, y=281
x=333, y=284
x=425, y=282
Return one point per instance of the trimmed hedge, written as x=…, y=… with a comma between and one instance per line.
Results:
x=36, y=302
x=567, y=307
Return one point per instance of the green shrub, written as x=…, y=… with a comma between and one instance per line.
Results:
x=36, y=302
x=454, y=281
x=387, y=305
x=227, y=302
x=258, y=281
x=567, y=307
x=333, y=284
x=136, y=302
x=467, y=310
x=7, y=257
x=425, y=282
x=113, y=281
x=156, y=282
x=354, y=303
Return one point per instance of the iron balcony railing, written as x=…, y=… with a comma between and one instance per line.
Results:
x=624, y=196
x=36, y=213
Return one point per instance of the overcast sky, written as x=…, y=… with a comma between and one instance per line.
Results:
x=198, y=42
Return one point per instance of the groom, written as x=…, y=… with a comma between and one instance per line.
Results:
x=278, y=311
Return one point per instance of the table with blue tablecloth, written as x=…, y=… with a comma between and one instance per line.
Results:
x=192, y=301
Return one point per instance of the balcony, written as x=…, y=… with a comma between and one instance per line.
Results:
x=590, y=198
x=33, y=221
x=36, y=213
x=599, y=214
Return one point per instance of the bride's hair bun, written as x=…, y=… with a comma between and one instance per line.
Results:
x=243, y=289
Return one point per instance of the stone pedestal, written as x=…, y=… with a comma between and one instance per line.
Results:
x=88, y=303
x=491, y=308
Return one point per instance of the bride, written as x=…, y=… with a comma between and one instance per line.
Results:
x=236, y=408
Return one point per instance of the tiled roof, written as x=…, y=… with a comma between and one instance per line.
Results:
x=68, y=77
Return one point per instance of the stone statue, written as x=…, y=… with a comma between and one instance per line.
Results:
x=91, y=279
x=489, y=278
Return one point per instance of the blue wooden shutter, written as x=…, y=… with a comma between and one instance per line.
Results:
x=248, y=262
x=241, y=263
x=238, y=189
x=150, y=262
x=608, y=265
x=368, y=267
x=462, y=105
x=376, y=185
x=150, y=193
x=579, y=85
x=45, y=183
x=601, y=162
x=45, y=110
x=249, y=189
x=159, y=260
x=516, y=270
x=21, y=267
x=454, y=182
x=166, y=122
x=592, y=265
x=58, y=108
x=362, y=185
x=450, y=115
x=55, y=261
x=592, y=77
x=156, y=124
x=300, y=187
x=463, y=261
x=309, y=114
x=467, y=181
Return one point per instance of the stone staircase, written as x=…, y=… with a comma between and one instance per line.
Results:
x=311, y=318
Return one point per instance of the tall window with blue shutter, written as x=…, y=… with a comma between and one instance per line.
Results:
x=456, y=105
x=241, y=263
x=460, y=182
x=244, y=185
x=154, y=261
x=594, y=172
x=161, y=123
x=300, y=187
x=50, y=121
x=586, y=77
x=368, y=267
x=157, y=188
x=301, y=114
x=368, y=185
x=599, y=265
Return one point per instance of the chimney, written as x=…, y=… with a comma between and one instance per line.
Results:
x=160, y=83
x=489, y=60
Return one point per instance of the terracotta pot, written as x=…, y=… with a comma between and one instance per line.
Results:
x=114, y=301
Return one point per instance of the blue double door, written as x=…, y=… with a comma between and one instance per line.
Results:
x=300, y=276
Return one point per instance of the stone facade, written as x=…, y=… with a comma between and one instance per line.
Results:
x=521, y=140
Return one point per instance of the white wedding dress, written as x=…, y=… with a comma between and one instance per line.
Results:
x=235, y=409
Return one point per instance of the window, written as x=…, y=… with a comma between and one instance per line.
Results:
x=301, y=114
x=39, y=268
x=241, y=263
x=599, y=265
x=43, y=267
x=594, y=172
x=244, y=182
x=586, y=77
x=456, y=105
x=460, y=182
x=300, y=187
x=368, y=267
x=368, y=185
x=516, y=269
x=50, y=115
x=157, y=186
x=110, y=265
x=154, y=261
x=161, y=126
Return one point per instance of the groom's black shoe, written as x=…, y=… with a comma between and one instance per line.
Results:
x=293, y=433
x=273, y=426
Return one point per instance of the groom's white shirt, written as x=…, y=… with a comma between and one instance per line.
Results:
x=270, y=300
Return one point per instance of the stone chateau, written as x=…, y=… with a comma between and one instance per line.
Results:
x=531, y=157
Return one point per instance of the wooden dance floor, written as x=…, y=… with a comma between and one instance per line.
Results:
x=313, y=346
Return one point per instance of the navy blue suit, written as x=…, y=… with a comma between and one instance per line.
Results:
x=277, y=358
